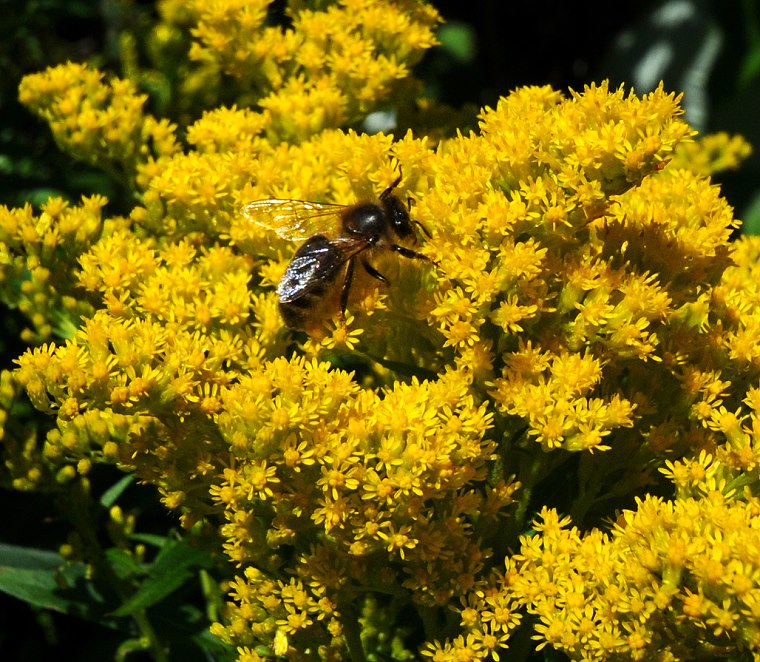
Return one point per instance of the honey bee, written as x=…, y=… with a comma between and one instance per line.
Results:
x=360, y=229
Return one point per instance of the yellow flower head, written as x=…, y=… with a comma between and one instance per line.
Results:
x=566, y=317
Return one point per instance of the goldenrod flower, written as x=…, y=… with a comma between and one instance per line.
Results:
x=102, y=123
x=583, y=327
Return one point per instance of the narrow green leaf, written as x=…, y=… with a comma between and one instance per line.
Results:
x=42, y=579
x=149, y=539
x=12, y=556
x=111, y=495
x=176, y=563
x=38, y=588
x=123, y=565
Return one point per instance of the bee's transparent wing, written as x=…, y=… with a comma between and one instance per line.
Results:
x=294, y=220
x=317, y=262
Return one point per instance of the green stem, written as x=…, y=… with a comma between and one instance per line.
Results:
x=352, y=633
x=588, y=491
x=528, y=480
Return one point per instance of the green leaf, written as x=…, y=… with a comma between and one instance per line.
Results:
x=12, y=556
x=42, y=578
x=112, y=494
x=149, y=539
x=123, y=565
x=176, y=563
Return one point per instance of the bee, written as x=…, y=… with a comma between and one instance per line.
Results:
x=362, y=228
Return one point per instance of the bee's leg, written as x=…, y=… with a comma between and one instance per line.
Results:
x=374, y=272
x=346, y=288
x=408, y=252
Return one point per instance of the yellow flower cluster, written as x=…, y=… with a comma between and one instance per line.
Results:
x=364, y=493
x=326, y=69
x=736, y=296
x=99, y=122
x=38, y=260
x=581, y=295
x=712, y=153
x=21, y=455
x=672, y=578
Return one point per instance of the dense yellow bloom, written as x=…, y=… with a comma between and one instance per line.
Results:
x=102, y=123
x=712, y=153
x=583, y=321
x=38, y=261
x=330, y=67
x=672, y=577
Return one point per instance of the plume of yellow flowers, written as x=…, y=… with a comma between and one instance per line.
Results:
x=584, y=324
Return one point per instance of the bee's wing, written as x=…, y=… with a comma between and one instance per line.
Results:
x=294, y=220
x=316, y=263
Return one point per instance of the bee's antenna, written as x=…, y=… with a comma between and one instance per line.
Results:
x=396, y=182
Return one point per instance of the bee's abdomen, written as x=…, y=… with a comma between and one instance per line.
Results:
x=296, y=312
